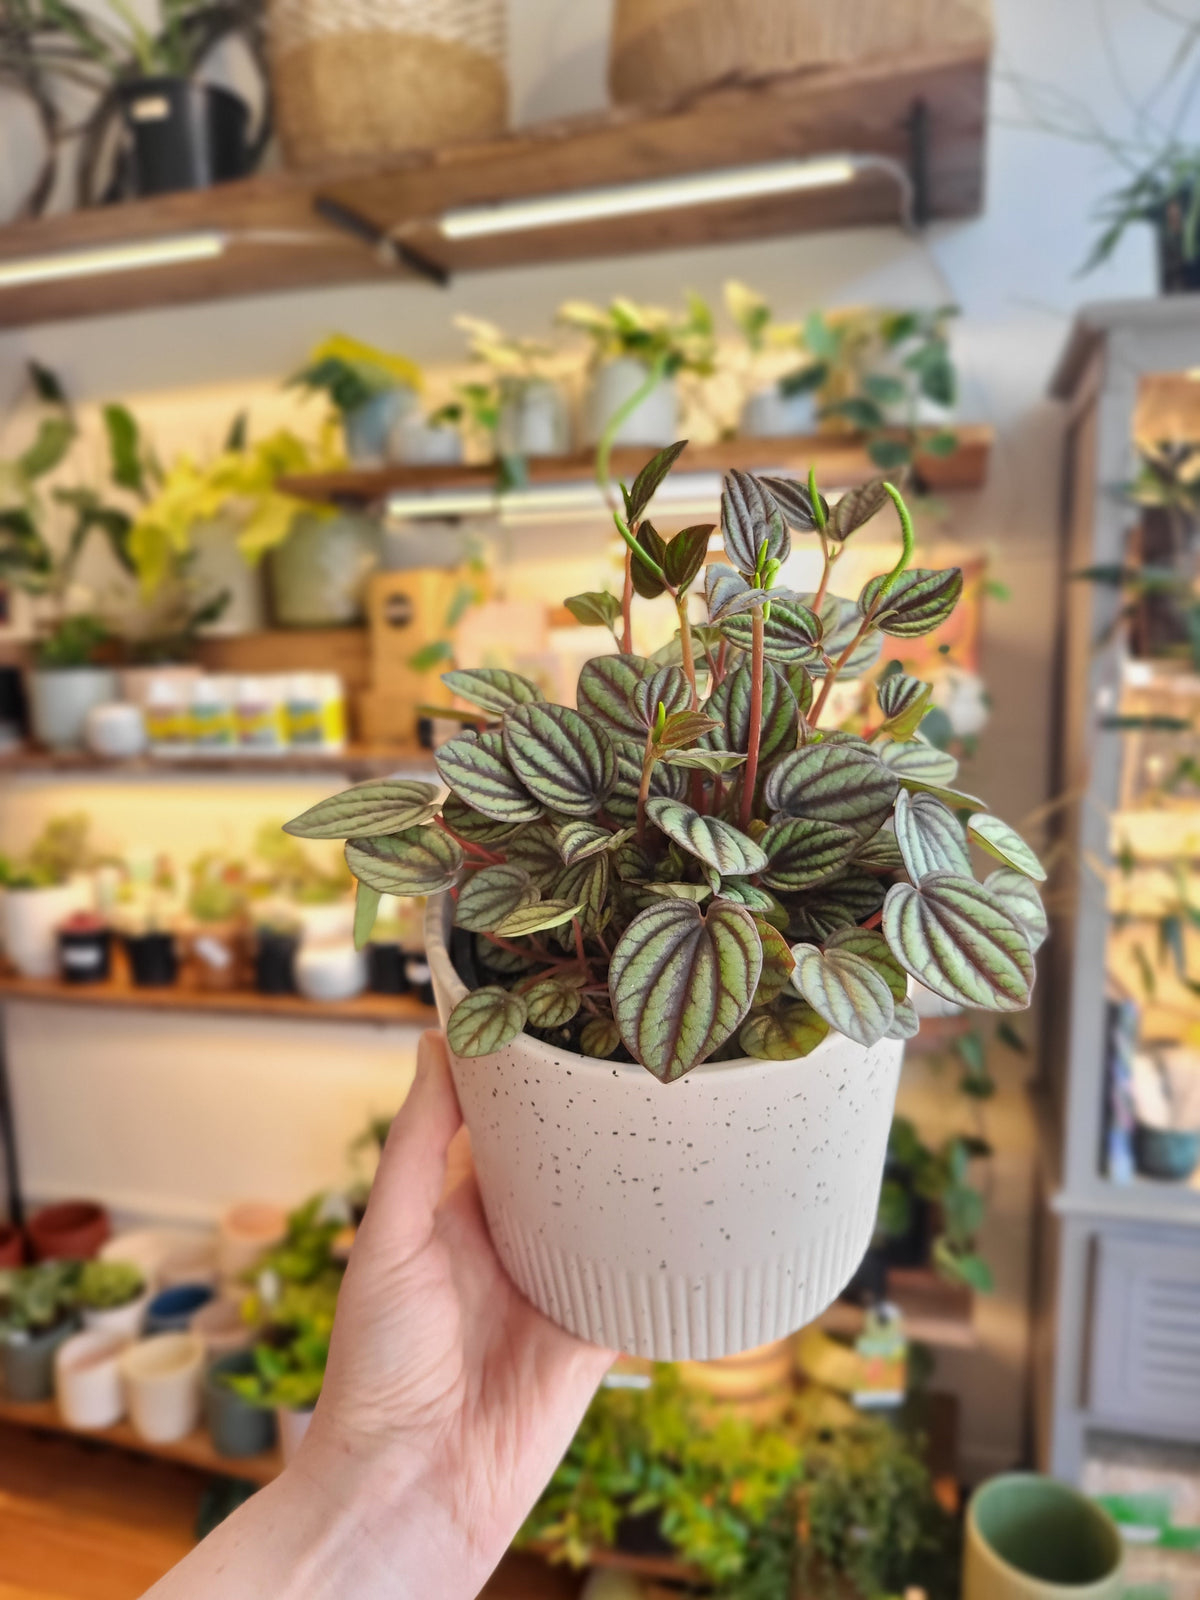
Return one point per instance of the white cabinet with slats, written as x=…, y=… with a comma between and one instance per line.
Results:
x=1145, y=1356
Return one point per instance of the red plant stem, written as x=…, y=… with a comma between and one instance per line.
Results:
x=831, y=675
x=750, y=770
x=828, y=568
x=469, y=844
x=873, y=922
x=581, y=953
x=722, y=653
x=627, y=605
x=534, y=955
x=644, y=787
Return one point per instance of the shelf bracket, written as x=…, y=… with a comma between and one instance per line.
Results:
x=392, y=250
x=918, y=162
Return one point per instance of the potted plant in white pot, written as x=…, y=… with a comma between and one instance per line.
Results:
x=42, y=890
x=37, y=1314
x=532, y=417
x=113, y=1296
x=768, y=350
x=637, y=355
x=370, y=390
x=674, y=957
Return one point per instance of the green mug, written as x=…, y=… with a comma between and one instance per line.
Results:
x=1030, y=1538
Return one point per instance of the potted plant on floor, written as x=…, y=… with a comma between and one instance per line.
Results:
x=113, y=1296
x=41, y=890
x=370, y=390
x=37, y=1314
x=688, y=875
x=637, y=355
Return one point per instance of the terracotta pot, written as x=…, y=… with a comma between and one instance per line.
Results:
x=72, y=1230
x=87, y=1379
x=12, y=1246
x=244, y=1232
x=684, y=1221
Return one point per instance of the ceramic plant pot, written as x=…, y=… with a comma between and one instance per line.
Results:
x=237, y=1427
x=319, y=573
x=153, y=963
x=149, y=1248
x=533, y=421
x=274, y=961
x=1030, y=1538
x=162, y=1379
x=368, y=427
x=768, y=414
x=331, y=972
x=31, y=921
x=684, y=1221
x=72, y=1230
x=27, y=1361
x=653, y=422
x=292, y=1425
x=60, y=699
x=118, y=1322
x=87, y=1379
x=192, y=1260
x=12, y=1246
x=1169, y=1154
x=85, y=949
x=171, y=1310
x=419, y=443
x=244, y=1232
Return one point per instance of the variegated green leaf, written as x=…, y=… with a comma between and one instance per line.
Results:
x=561, y=758
x=954, y=798
x=492, y=894
x=719, y=844
x=685, y=555
x=832, y=781
x=930, y=837
x=1006, y=844
x=366, y=909
x=800, y=683
x=749, y=519
x=493, y=688
x=599, y=1037
x=537, y=918
x=715, y=762
x=594, y=609
x=904, y=702
x=536, y=850
x=366, y=810
x=873, y=947
x=919, y=601
x=551, y=1003
x=805, y=851
x=906, y=1024
x=666, y=781
x=698, y=893
x=650, y=478
x=777, y=966
x=914, y=760
x=682, y=729
x=467, y=823
x=484, y=1021
x=784, y=1033
x=856, y=507
x=681, y=982
x=605, y=693
x=881, y=853
x=1021, y=900
x=667, y=687
x=585, y=884
x=726, y=593
x=731, y=705
x=476, y=768
x=843, y=987
x=579, y=837
x=959, y=940
x=791, y=634
x=840, y=623
x=760, y=901
x=418, y=861
x=843, y=903
x=795, y=503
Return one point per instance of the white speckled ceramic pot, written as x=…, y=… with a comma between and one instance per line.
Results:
x=680, y=1221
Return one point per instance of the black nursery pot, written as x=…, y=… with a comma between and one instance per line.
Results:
x=85, y=957
x=275, y=962
x=385, y=967
x=183, y=135
x=1176, y=273
x=153, y=963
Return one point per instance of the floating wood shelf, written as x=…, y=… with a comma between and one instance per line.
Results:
x=382, y=1010
x=840, y=462
x=274, y=238
x=357, y=762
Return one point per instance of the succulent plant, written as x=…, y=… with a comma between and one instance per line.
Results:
x=685, y=866
x=104, y=1285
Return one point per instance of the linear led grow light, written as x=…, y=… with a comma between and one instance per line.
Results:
x=171, y=251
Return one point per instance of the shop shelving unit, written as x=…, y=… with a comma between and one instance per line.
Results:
x=1118, y=1338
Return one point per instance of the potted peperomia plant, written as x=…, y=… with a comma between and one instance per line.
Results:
x=682, y=920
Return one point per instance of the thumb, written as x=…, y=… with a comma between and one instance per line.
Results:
x=412, y=1169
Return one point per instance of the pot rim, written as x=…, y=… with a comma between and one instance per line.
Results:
x=189, y=1349
x=437, y=913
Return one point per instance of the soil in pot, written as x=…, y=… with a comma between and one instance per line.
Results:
x=275, y=962
x=153, y=963
x=72, y=1230
x=85, y=949
x=27, y=1360
x=183, y=135
x=237, y=1427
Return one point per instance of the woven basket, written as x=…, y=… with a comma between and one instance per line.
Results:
x=665, y=49
x=353, y=79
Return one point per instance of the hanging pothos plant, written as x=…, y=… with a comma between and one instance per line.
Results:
x=686, y=867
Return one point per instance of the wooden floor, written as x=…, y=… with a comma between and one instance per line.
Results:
x=85, y=1522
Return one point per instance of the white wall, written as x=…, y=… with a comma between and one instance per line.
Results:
x=1013, y=272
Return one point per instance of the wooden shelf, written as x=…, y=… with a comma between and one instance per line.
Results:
x=356, y=762
x=840, y=462
x=935, y=1312
x=381, y=1010
x=275, y=240
x=194, y=1450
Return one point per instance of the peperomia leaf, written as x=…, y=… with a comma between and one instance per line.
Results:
x=777, y=966
x=493, y=689
x=418, y=861
x=903, y=701
x=594, y=609
x=536, y=850
x=1021, y=900
x=845, y=988
x=667, y=780
x=681, y=981
x=599, y=1036
x=712, y=761
x=881, y=853
x=833, y=782
x=719, y=844
x=795, y=503
x=697, y=892
x=366, y=909
x=919, y=601
x=750, y=520
x=1006, y=844
x=684, y=728
x=492, y=894
x=537, y=918
x=726, y=593
x=840, y=623
x=856, y=507
x=930, y=837
x=805, y=851
x=959, y=940
x=468, y=823
x=760, y=901
x=685, y=555
x=906, y=1024
x=786, y=1032
x=580, y=838
x=649, y=479
x=646, y=582
x=667, y=687
x=484, y=1021
x=731, y=704
x=842, y=903
x=791, y=634
x=605, y=693
x=873, y=947
x=367, y=809
x=476, y=768
x=915, y=760
x=561, y=759
x=551, y=1003
x=584, y=885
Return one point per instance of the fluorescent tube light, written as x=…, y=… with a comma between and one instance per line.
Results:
x=133, y=257
x=685, y=494
x=660, y=194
